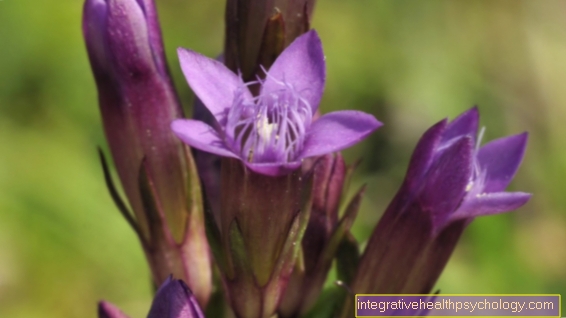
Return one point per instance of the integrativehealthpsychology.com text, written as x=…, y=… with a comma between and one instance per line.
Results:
x=458, y=305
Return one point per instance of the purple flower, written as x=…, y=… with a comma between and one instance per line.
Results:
x=451, y=165
x=450, y=181
x=174, y=299
x=273, y=131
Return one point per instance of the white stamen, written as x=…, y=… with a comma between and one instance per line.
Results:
x=265, y=129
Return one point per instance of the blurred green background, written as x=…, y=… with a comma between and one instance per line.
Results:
x=64, y=246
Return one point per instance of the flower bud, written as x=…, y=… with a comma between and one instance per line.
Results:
x=257, y=31
x=174, y=299
x=138, y=102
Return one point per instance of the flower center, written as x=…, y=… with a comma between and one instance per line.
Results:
x=271, y=127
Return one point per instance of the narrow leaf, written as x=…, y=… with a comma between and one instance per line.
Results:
x=116, y=196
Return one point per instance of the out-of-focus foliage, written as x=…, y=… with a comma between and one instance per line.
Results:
x=64, y=246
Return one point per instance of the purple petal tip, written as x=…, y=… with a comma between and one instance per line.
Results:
x=501, y=159
x=465, y=124
x=338, y=130
x=491, y=203
x=201, y=136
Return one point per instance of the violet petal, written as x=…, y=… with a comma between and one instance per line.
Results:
x=501, y=159
x=465, y=124
x=445, y=183
x=338, y=130
x=302, y=65
x=199, y=135
x=211, y=81
x=424, y=153
x=490, y=203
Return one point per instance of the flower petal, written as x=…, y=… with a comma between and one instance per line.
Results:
x=465, y=124
x=338, y=130
x=445, y=182
x=490, y=203
x=211, y=81
x=107, y=310
x=273, y=169
x=302, y=65
x=501, y=159
x=201, y=136
x=424, y=153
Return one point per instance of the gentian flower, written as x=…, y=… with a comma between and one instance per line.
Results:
x=273, y=131
x=138, y=101
x=257, y=31
x=173, y=299
x=449, y=182
x=485, y=171
x=265, y=198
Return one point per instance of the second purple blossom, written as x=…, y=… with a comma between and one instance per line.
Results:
x=450, y=181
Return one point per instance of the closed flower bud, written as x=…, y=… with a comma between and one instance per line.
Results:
x=257, y=31
x=138, y=102
x=173, y=299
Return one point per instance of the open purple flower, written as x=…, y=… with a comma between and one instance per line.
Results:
x=465, y=180
x=449, y=182
x=273, y=131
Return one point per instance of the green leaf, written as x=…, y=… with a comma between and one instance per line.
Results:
x=347, y=259
x=116, y=196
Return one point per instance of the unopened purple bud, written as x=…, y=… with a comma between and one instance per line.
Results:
x=329, y=176
x=257, y=31
x=173, y=299
x=138, y=102
x=136, y=98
